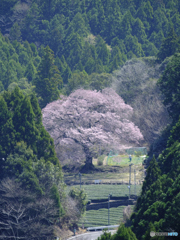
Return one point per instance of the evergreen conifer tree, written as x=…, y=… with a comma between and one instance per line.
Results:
x=169, y=46
x=169, y=86
x=36, y=110
x=139, y=31
x=48, y=79
x=126, y=25
x=15, y=32
x=30, y=71
x=7, y=134
x=153, y=172
x=149, y=48
x=150, y=229
x=132, y=44
x=66, y=74
x=24, y=123
x=74, y=50
x=102, y=51
x=28, y=49
x=157, y=38
x=124, y=233
x=116, y=58
x=141, y=14
x=8, y=77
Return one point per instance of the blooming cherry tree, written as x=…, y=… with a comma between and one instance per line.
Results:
x=90, y=120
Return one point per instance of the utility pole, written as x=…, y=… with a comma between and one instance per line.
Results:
x=134, y=182
x=80, y=179
x=130, y=179
x=110, y=195
x=109, y=155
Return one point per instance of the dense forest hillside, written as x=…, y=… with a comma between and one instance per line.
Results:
x=52, y=48
x=158, y=206
x=90, y=36
x=32, y=191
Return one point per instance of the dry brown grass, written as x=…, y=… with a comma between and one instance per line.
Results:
x=127, y=213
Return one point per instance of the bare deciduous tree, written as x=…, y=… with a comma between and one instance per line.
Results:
x=23, y=215
x=136, y=83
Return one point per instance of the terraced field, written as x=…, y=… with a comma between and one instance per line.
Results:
x=114, y=179
x=101, y=191
x=100, y=217
x=108, y=174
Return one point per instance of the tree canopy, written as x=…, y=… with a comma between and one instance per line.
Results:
x=84, y=36
x=48, y=48
x=31, y=178
x=169, y=85
x=48, y=79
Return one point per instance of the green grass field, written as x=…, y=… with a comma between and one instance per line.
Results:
x=100, y=217
x=123, y=160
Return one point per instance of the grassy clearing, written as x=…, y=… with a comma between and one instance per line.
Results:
x=121, y=160
x=124, y=161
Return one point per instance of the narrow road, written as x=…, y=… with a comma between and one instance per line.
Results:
x=89, y=235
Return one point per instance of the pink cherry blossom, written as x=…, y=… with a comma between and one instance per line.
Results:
x=97, y=120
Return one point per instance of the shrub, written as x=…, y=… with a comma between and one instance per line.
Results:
x=100, y=160
x=138, y=153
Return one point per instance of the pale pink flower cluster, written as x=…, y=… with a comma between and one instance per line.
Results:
x=92, y=118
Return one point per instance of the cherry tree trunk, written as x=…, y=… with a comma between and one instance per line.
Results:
x=88, y=164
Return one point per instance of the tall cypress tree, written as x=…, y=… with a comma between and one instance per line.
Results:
x=36, y=110
x=48, y=79
x=24, y=122
x=169, y=46
x=169, y=85
x=116, y=58
x=30, y=71
x=139, y=31
x=7, y=133
x=153, y=172
x=126, y=25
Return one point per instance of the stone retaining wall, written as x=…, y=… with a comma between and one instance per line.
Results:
x=96, y=206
